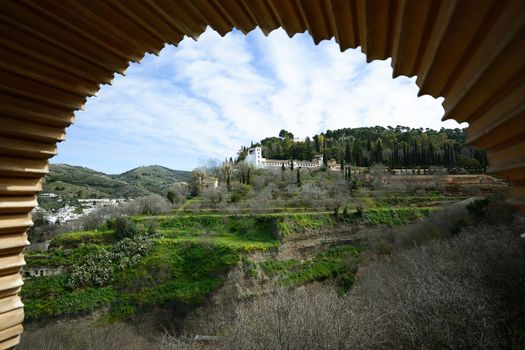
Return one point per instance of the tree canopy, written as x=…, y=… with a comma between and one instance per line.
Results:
x=398, y=146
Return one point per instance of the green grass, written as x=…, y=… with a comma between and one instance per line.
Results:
x=339, y=263
x=234, y=242
x=48, y=297
x=62, y=257
x=249, y=267
x=192, y=260
x=184, y=267
x=394, y=216
x=294, y=223
x=412, y=200
x=274, y=267
x=243, y=233
x=77, y=237
x=176, y=271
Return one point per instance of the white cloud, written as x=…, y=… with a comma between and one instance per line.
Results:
x=204, y=99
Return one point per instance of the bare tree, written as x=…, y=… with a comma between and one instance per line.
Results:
x=150, y=205
x=377, y=173
x=177, y=193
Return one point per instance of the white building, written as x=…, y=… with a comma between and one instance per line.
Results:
x=40, y=271
x=256, y=159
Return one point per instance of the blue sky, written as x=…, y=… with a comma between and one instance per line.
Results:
x=205, y=99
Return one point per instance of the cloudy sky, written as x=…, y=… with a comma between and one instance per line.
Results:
x=205, y=99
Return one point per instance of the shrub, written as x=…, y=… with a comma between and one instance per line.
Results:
x=492, y=209
x=95, y=270
x=150, y=205
x=249, y=267
x=239, y=193
x=84, y=334
x=124, y=227
x=99, y=269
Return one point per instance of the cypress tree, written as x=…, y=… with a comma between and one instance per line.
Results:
x=379, y=151
x=348, y=153
x=354, y=151
x=415, y=159
x=358, y=154
x=405, y=154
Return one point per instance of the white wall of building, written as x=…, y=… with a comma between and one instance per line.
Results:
x=255, y=157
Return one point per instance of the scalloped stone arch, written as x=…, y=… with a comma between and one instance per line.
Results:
x=55, y=54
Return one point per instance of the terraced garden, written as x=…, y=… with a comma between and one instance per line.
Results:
x=183, y=259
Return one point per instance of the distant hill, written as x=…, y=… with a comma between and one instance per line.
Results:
x=154, y=178
x=81, y=182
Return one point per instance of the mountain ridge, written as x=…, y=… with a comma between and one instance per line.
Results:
x=82, y=182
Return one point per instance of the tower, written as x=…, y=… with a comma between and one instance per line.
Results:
x=255, y=157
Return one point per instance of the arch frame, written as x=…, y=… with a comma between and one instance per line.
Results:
x=56, y=54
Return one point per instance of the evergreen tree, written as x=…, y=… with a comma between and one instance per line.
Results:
x=348, y=153
x=431, y=155
x=316, y=144
x=379, y=151
x=348, y=173
x=415, y=159
x=358, y=154
x=399, y=146
x=309, y=149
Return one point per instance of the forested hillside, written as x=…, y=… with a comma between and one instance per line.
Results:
x=81, y=182
x=154, y=178
x=393, y=146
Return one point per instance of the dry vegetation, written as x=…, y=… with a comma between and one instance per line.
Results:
x=465, y=292
x=85, y=335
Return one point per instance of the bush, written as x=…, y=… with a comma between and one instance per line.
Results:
x=84, y=334
x=124, y=227
x=239, y=193
x=150, y=205
x=95, y=270
x=465, y=292
x=99, y=269
x=492, y=210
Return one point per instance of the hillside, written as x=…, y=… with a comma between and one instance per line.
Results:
x=154, y=178
x=395, y=147
x=81, y=182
